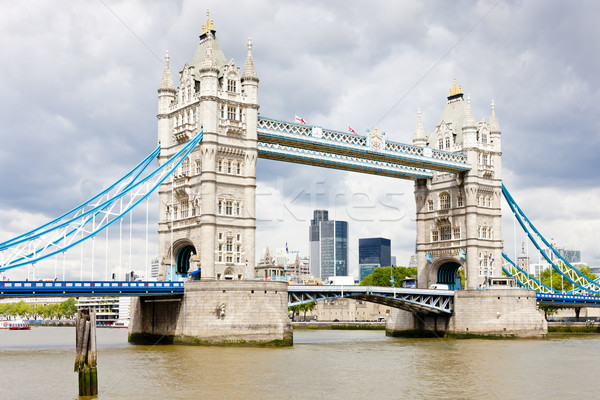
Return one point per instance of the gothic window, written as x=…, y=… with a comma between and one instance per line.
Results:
x=457, y=233
x=230, y=85
x=228, y=165
x=222, y=108
x=441, y=144
x=229, y=250
x=447, y=142
x=220, y=253
x=238, y=237
x=434, y=236
x=429, y=205
x=237, y=209
x=444, y=201
x=198, y=166
x=459, y=201
x=183, y=212
x=185, y=167
x=197, y=86
x=175, y=211
x=484, y=138
x=238, y=168
x=220, y=166
x=228, y=208
x=220, y=236
x=220, y=209
x=445, y=232
x=231, y=113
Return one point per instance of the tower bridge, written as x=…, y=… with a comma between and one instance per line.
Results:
x=210, y=136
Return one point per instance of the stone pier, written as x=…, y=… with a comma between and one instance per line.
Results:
x=484, y=313
x=215, y=313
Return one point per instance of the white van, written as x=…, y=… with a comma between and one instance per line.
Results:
x=441, y=286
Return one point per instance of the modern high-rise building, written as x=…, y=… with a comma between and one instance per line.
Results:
x=328, y=246
x=373, y=253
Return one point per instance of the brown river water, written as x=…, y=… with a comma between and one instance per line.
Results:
x=322, y=364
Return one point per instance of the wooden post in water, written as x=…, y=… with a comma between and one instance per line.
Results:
x=85, y=359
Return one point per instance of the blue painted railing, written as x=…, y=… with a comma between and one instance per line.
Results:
x=88, y=288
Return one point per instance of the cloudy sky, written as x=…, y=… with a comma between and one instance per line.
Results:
x=79, y=102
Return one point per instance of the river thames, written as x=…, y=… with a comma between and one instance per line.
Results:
x=332, y=364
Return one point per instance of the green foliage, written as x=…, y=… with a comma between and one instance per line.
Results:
x=65, y=309
x=550, y=277
x=298, y=308
x=382, y=276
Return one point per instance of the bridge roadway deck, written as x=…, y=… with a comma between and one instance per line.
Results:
x=416, y=300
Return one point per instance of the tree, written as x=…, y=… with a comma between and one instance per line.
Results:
x=382, y=276
x=304, y=307
x=550, y=276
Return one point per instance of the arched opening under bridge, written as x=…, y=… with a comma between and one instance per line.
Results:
x=183, y=259
x=448, y=274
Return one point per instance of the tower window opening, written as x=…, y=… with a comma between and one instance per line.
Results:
x=445, y=232
x=444, y=201
x=429, y=205
x=231, y=85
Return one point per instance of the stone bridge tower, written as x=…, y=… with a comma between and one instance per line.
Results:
x=459, y=215
x=207, y=209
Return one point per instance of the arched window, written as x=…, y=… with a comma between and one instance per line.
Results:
x=444, y=201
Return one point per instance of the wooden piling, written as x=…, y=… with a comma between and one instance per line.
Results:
x=86, y=357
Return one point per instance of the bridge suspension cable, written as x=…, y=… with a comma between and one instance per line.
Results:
x=92, y=216
x=580, y=282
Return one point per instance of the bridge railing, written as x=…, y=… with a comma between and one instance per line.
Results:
x=88, y=288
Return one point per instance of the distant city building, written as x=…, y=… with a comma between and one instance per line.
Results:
x=573, y=257
x=283, y=263
x=412, y=263
x=328, y=246
x=373, y=253
x=154, y=269
x=394, y=260
x=268, y=267
x=365, y=270
x=523, y=259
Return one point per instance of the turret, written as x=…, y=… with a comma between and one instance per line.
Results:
x=208, y=72
x=420, y=139
x=495, y=129
x=249, y=77
x=166, y=97
x=469, y=128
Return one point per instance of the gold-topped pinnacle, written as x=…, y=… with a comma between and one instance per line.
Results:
x=454, y=90
x=209, y=24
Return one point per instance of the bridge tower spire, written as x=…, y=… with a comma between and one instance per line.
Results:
x=207, y=210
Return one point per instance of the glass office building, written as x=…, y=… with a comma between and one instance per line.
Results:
x=373, y=253
x=328, y=246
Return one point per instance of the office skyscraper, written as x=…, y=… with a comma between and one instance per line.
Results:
x=328, y=246
x=373, y=253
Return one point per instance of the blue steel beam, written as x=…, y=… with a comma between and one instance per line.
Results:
x=414, y=300
x=88, y=288
x=339, y=143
